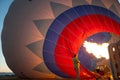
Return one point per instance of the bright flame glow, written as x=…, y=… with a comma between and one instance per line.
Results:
x=98, y=50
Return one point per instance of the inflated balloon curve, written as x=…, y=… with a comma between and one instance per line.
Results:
x=67, y=33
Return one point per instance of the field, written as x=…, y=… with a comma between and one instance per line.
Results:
x=16, y=78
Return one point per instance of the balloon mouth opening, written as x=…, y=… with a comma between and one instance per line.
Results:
x=71, y=40
x=95, y=50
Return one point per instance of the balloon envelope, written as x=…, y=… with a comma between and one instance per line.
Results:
x=40, y=37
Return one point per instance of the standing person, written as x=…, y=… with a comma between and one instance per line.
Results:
x=76, y=63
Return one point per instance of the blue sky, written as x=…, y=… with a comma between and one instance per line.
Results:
x=119, y=1
x=4, y=6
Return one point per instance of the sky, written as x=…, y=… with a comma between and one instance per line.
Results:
x=119, y=1
x=4, y=6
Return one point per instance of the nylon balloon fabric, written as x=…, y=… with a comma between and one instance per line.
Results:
x=69, y=30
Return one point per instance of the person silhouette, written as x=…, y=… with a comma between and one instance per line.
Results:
x=76, y=64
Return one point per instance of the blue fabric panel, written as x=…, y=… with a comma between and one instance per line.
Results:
x=49, y=58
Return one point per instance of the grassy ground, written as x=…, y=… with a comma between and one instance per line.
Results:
x=9, y=78
x=16, y=78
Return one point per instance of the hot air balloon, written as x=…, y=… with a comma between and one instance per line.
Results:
x=40, y=37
